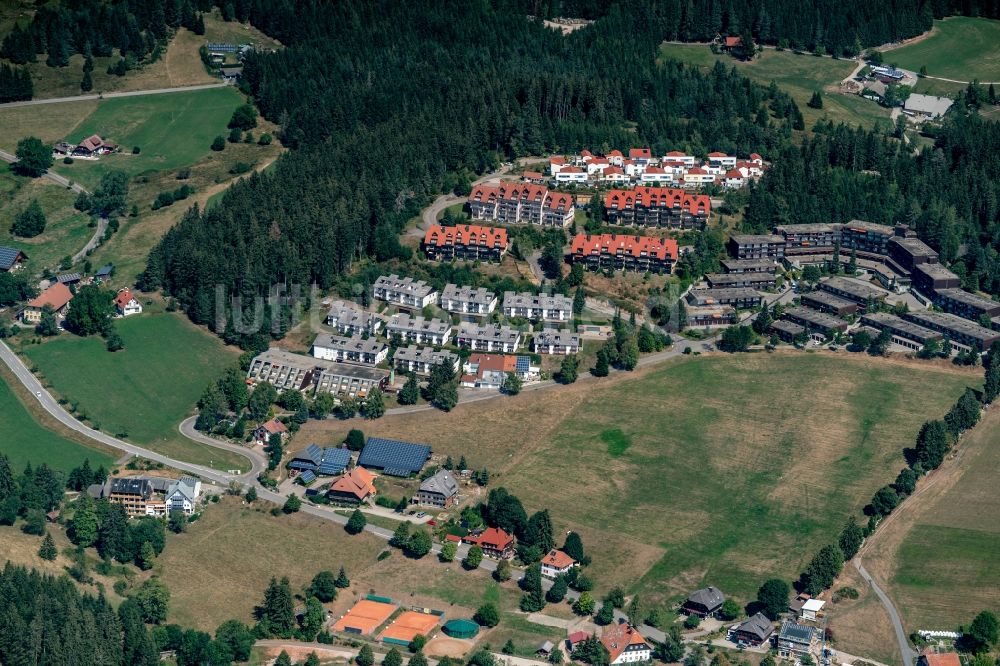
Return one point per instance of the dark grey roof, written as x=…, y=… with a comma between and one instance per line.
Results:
x=797, y=633
x=442, y=483
x=69, y=277
x=8, y=257
x=395, y=457
x=709, y=597
x=758, y=625
x=96, y=490
x=105, y=271
x=132, y=486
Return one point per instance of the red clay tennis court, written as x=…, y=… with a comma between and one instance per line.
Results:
x=365, y=617
x=407, y=626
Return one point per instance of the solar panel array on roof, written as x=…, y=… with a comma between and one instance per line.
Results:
x=307, y=476
x=8, y=257
x=334, y=461
x=523, y=364
x=394, y=457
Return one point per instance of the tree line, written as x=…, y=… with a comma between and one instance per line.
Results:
x=15, y=84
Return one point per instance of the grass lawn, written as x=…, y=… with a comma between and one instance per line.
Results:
x=49, y=122
x=941, y=559
x=172, y=131
x=145, y=390
x=799, y=76
x=719, y=469
x=25, y=441
x=961, y=48
x=66, y=230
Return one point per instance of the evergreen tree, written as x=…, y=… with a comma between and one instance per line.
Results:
x=816, y=101
x=410, y=392
x=30, y=222
x=356, y=523
x=557, y=592
x=342, y=582
x=601, y=368
x=277, y=613
x=365, y=656
x=112, y=536
x=851, y=538
x=534, y=598
x=772, y=597
x=33, y=157
x=569, y=369
x=47, y=551
x=324, y=586
x=822, y=570
x=87, y=83
x=373, y=406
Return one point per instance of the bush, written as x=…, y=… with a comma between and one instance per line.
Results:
x=692, y=622
x=136, y=150
x=218, y=144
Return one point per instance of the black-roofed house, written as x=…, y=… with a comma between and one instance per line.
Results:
x=11, y=258
x=753, y=631
x=440, y=490
x=394, y=457
x=795, y=639
x=133, y=493
x=104, y=272
x=704, y=602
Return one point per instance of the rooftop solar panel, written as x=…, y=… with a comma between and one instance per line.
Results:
x=301, y=464
x=523, y=364
x=307, y=476
x=403, y=458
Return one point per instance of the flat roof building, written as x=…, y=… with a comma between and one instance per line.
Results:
x=931, y=278
x=710, y=315
x=814, y=320
x=827, y=302
x=736, y=280
x=757, y=246
x=965, y=304
x=957, y=329
x=787, y=330
x=853, y=290
x=904, y=333
x=748, y=265
x=737, y=297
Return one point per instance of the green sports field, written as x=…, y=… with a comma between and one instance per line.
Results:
x=797, y=75
x=25, y=441
x=171, y=130
x=961, y=48
x=144, y=391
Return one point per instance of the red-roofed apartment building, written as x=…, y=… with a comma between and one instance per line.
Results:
x=495, y=543
x=465, y=241
x=625, y=645
x=657, y=207
x=126, y=304
x=57, y=297
x=623, y=252
x=521, y=203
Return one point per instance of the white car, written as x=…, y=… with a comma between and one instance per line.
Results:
x=38, y=394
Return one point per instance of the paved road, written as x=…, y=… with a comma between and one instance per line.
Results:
x=95, y=240
x=111, y=95
x=909, y=656
x=51, y=175
x=430, y=214
x=52, y=406
x=258, y=462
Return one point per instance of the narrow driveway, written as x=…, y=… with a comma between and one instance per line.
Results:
x=909, y=656
x=112, y=95
x=258, y=462
x=51, y=175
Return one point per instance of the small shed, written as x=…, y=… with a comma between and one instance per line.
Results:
x=461, y=628
x=545, y=648
x=811, y=609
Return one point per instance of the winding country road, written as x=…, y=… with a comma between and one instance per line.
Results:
x=909, y=655
x=112, y=95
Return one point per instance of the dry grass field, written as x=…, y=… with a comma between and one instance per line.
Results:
x=726, y=469
x=937, y=555
x=862, y=626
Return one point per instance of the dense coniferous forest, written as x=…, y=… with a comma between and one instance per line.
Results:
x=45, y=620
x=950, y=193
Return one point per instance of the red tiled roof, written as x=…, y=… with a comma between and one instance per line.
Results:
x=558, y=559
x=494, y=362
x=571, y=170
x=697, y=171
x=611, y=171
x=755, y=156
x=615, y=153
x=557, y=159
x=585, y=153
x=453, y=538
x=92, y=143
x=676, y=153
x=274, y=426
x=734, y=173
x=577, y=637
x=466, y=234
x=617, y=637
x=655, y=170
x=494, y=538
x=944, y=659
x=733, y=41
x=123, y=298
x=717, y=154
x=637, y=246
x=640, y=153
x=357, y=482
x=58, y=295
x=659, y=196
x=533, y=174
